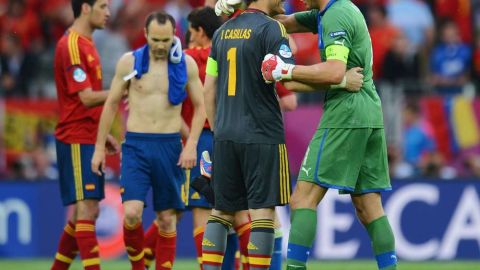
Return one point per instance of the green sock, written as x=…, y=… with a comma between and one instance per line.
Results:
x=302, y=235
x=383, y=243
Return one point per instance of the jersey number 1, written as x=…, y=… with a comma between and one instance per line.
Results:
x=232, y=71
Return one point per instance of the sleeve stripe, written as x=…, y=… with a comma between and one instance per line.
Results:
x=73, y=50
x=282, y=29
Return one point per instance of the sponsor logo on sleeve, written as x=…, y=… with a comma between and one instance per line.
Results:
x=337, y=34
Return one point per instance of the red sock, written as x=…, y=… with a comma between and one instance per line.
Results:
x=198, y=238
x=243, y=232
x=237, y=265
x=165, y=250
x=150, y=242
x=87, y=244
x=133, y=238
x=67, y=248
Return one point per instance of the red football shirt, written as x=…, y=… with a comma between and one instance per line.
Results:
x=77, y=67
x=200, y=55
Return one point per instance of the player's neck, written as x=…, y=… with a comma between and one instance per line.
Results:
x=82, y=27
x=154, y=59
x=322, y=4
x=205, y=43
x=260, y=5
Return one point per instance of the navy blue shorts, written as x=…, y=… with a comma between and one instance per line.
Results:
x=150, y=160
x=205, y=143
x=77, y=181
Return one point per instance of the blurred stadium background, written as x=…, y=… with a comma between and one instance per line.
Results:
x=427, y=67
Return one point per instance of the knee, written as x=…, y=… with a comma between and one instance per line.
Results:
x=368, y=207
x=132, y=216
x=166, y=222
x=295, y=201
x=361, y=214
x=87, y=212
x=301, y=199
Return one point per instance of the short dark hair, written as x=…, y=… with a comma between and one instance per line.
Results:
x=248, y=2
x=77, y=6
x=205, y=18
x=160, y=17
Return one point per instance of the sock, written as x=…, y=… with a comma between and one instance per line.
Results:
x=198, y=238
x=260, y=246
x=238, y=263
x=276, y=263
x=150, y=242
x=302, y=234
x=231, y=250
x=67, y=248
x=165, y=250
x=383, y=243
x=87, y=244
x=214, y=242
x=133, y=238
x=243, y=232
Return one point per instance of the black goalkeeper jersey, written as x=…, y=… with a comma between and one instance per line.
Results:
x=247, y=108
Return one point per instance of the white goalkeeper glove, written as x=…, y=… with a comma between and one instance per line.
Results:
x=274, y=69
x=226, y=7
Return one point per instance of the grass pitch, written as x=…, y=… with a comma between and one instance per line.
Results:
x=182, y=264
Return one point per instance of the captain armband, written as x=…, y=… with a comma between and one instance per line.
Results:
x=212, y=67
x=337, y=52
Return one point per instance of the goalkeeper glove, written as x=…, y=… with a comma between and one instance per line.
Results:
x=226, y=7
x=274, y=69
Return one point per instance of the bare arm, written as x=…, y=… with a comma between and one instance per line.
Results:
x=110, y=108
x=195, y=92
x=353, y=82
x=296, y=86
x=210, y=102
x=210, y=3
x=288, y=103
x=184, y=130
x=330, y=72
x=91, y=98
x=291, y=24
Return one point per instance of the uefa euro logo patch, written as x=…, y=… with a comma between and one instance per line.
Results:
x=337, y=34
x=79, y=75
x=285, y=51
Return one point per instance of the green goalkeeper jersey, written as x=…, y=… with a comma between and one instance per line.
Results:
x=343, y=35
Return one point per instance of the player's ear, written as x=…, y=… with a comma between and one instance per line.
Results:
x=202, y=31
x=86, y=8
x=145, y=32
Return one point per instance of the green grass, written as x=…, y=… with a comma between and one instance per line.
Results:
x=191, y=265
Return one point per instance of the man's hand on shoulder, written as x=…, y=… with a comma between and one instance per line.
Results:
x=226, y=7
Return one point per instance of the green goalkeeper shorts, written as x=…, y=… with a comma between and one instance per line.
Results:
x=351, y=160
